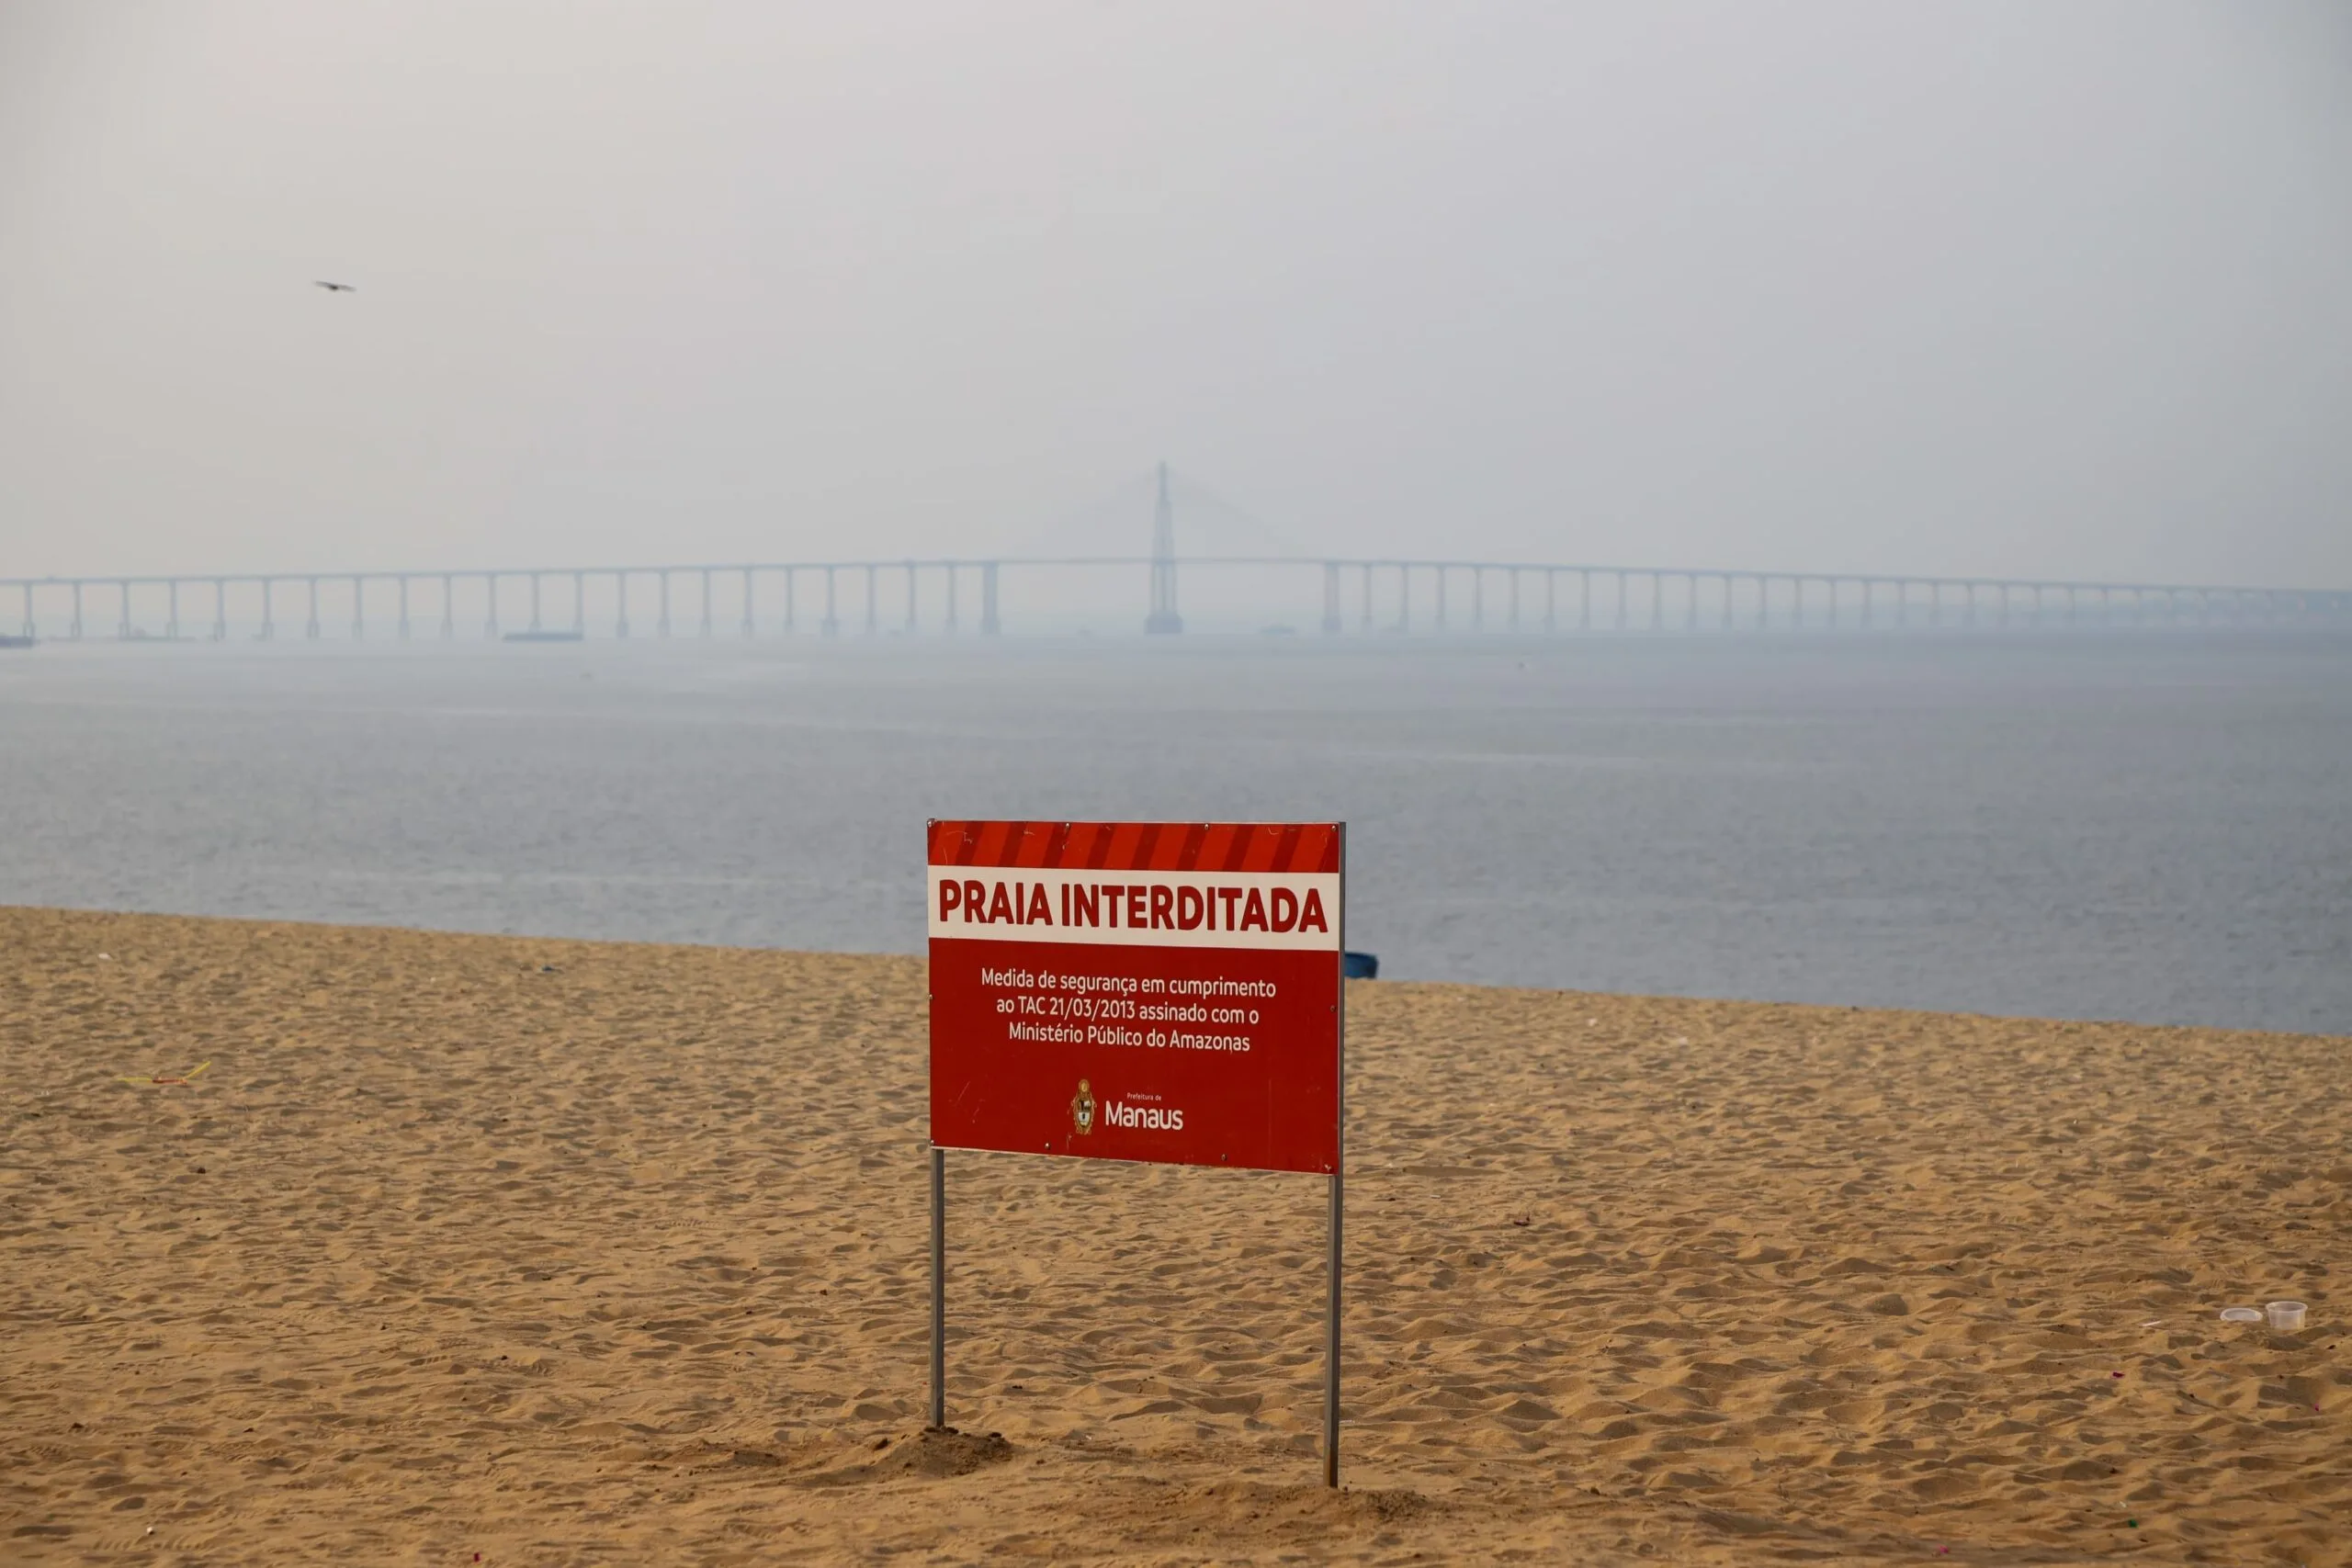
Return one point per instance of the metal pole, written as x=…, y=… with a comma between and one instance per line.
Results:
x=1339, y=1204
x=938, y=1287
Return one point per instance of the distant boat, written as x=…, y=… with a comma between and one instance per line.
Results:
x=543, y=636
x=18, y=641
x=1359, y=966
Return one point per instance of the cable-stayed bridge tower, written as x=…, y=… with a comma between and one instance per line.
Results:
x=1163, y=617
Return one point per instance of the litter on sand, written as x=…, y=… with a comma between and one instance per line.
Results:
x=182, y=1080
x=2240, y=1314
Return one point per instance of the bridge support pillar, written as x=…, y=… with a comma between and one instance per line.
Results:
x=1584, y=600
x=220, y=611
x=490, y=605
x=661, y=622
x=122, y=616
x=1404, y=597
x=620, y=605
x=873, y=622
x=1441, y=598
x=268, y=623
x=951, y=587
x=311, y=623
x=535, y=602
x=832, y=625
x=706, y=602
x=1330, y=598
x=1551, y=601
x=791, y=602
x=29, y=630
x=1365, y=624
x=989, y=625
x=1515, y=596
x=910, y=595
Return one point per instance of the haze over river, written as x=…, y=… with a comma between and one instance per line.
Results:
x=2150, y=828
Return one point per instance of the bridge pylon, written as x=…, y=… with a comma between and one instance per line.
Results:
x=1163, y=618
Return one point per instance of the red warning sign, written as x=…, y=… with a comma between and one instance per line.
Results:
x=1163, y=991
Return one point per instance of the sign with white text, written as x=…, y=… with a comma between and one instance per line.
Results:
x=1163, y=991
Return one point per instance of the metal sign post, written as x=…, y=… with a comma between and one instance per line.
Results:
x=938, y=1287
x=1339, y=1201
x=1331, y=1344
x=1169, y=993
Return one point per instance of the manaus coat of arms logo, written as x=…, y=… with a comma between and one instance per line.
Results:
x=1081, y=1107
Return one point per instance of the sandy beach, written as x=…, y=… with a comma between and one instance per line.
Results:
x=557, y=1252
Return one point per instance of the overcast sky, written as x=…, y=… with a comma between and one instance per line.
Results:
x=2029, y=288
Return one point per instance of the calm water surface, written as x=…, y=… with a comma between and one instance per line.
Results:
x=2150, y=829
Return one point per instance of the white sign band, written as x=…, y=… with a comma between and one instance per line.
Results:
x=1294, y=910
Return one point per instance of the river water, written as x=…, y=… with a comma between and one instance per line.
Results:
x=2152, y=828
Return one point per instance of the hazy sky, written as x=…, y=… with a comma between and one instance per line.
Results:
x=2030, y=288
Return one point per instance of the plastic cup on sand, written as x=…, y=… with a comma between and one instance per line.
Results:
x=2240, y=1314
x=2287, y=1317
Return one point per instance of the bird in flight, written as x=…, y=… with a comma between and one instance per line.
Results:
x=337, y=288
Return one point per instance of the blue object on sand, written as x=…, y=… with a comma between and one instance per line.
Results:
x=1358, y=966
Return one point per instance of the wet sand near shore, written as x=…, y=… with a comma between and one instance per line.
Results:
x=560, y=1252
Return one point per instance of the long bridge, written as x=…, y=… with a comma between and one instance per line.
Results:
x=1360, y=593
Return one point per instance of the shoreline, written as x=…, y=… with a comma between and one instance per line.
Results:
x=542, y=1247
x=1663, y=998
